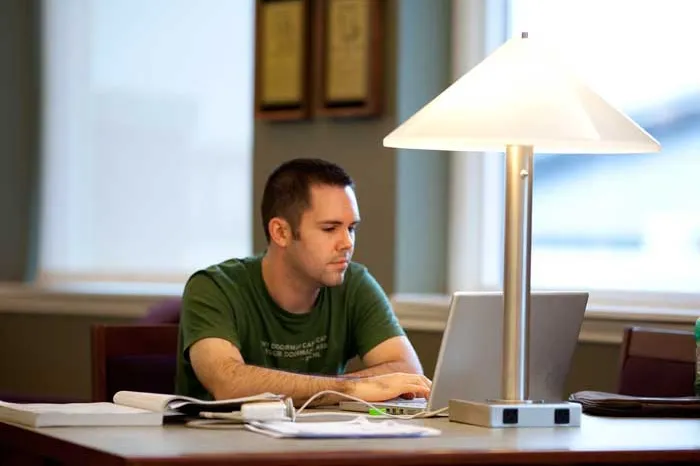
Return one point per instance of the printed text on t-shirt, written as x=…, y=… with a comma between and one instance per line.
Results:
x=311, y=349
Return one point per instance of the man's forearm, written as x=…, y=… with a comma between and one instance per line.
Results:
x=387, y=368
x=238, y=380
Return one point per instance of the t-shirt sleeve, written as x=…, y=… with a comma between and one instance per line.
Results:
x=373, y=319
x=206, y=313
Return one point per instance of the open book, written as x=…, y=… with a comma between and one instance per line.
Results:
x=185, y=405
x=77, y=414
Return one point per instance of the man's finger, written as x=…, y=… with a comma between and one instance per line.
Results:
x=418, y=390
x=423, y=380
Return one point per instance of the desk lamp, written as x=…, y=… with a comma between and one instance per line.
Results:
x=519, y=99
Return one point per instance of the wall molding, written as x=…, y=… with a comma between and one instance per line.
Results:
x=83, y=300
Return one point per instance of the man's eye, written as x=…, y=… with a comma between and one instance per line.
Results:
x=329, y=229
x=352, y=229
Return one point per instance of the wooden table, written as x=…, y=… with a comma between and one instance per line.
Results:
x=599, y=440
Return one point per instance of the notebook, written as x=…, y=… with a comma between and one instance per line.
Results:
x=469, y=362
x=77, y=414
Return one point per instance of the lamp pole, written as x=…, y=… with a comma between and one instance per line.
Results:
x=516, y=273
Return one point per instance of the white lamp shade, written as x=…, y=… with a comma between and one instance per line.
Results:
x=521, y=95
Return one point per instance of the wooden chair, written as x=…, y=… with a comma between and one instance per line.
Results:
x=657, y=362
x=133, y=357
x=166, y=311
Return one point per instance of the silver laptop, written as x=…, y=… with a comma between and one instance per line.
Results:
x=469, y=363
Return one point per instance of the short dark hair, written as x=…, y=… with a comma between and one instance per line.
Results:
x=287, y=191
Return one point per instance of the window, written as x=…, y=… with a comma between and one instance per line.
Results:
x=147, y=144
x=607, y=223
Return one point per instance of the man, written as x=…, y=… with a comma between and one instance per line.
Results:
x=288, y=322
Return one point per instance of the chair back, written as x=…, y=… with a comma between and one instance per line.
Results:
x=657, y=362
x=166, y=311
x=133, y=357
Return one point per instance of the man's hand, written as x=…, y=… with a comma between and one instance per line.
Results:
x=388, y=386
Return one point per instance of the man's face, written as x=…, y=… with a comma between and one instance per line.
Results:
x=326, y=235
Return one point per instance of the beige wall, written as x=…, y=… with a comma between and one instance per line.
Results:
x=46, y=354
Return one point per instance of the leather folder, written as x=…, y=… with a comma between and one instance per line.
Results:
x=613, y=404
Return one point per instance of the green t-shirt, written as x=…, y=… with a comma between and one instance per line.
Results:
x=230, y=301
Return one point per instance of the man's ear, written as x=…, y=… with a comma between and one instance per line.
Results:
x=280, y=232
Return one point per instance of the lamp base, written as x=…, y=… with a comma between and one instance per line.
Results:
x=515, y=414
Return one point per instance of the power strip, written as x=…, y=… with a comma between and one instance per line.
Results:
x=495, y=414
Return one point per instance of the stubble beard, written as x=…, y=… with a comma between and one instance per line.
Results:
x=336, y=279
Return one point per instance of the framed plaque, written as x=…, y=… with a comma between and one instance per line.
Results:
x=349, y=57
x=282, y=58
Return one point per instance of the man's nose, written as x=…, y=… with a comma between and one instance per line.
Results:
x=346, y=241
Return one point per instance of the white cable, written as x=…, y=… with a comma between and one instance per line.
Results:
x=214, y=420
x=420, y=414
x=331, y=413
x=215, y=424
